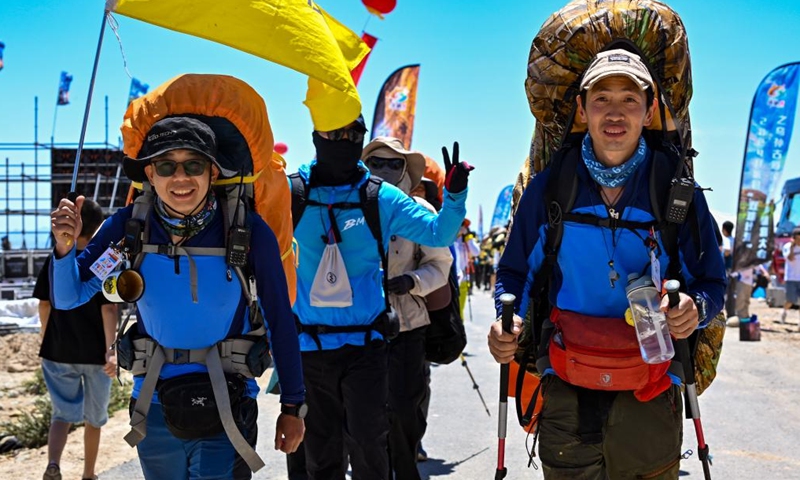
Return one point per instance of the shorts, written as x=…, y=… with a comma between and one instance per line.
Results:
x=78, y=392
x=792, y=292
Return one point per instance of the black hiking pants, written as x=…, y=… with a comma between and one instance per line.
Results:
x=408, y=386
x=346, y=393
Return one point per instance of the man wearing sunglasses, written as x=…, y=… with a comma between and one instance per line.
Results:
x=190, y=303
x=345, y=359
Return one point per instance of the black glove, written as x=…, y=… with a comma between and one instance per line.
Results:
x=400, y=285
x=456, y=173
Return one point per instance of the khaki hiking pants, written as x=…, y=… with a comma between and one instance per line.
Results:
x=638, y=440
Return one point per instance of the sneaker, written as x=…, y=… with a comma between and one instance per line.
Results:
x=783, y=317
x=52, y=472
x=733, y=322
x=422, y=455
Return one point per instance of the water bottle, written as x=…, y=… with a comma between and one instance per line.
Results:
x=652, y=330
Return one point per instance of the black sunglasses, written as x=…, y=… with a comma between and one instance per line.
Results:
x=352, y=134
x=192, y=168
x=379, y=163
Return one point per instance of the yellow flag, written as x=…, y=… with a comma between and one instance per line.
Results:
x=332, y=108
x=294, y=33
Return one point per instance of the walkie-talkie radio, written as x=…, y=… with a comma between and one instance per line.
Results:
x=238, y=246
x=132, y=244
x=681, y=194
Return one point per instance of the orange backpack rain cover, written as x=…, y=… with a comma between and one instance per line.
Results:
x=230, y=98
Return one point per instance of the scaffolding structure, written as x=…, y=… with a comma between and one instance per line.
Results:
x=33, y=179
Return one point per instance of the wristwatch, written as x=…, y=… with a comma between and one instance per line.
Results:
x=702, y=307
x=300, y=410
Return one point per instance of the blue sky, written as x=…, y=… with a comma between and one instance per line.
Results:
x=473, y=57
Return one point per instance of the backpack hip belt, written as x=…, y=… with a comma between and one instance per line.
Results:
x=232, y=352
x=219, y=359
x=387, y=324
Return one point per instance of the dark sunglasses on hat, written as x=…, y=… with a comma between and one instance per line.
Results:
x=378, y=163
x=192, y=168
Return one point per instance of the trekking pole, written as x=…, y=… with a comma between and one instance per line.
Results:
x=507, y=300
x=475, y=384
x=469, y=296
x=692, y=405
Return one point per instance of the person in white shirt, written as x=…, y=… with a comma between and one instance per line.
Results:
x=791, y=272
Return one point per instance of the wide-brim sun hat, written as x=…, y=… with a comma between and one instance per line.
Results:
x=390, y=147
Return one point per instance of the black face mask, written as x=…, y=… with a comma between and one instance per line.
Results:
x=337, y=161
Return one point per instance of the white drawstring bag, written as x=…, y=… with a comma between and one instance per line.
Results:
x=331, y=287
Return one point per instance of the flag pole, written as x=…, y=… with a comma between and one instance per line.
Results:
x=53, y=131
x=72, y=193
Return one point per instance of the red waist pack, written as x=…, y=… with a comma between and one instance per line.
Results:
x=603, y=354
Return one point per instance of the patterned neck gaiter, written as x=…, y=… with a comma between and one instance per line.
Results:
x=189, y=225
x=612, y=177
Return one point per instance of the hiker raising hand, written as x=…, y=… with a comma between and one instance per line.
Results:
x=456, y=173
x=66, y=224
x=344, y=309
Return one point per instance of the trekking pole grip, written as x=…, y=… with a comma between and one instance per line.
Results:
x=681, y=346
x=507, y=316
x=673, y=286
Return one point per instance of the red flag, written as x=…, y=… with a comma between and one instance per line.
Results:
x=370, y=41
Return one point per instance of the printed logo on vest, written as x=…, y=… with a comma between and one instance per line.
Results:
x=353, y=222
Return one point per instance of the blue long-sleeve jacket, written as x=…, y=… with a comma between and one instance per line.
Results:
x=581, y=276
x=399, y=215
x=166, y=310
